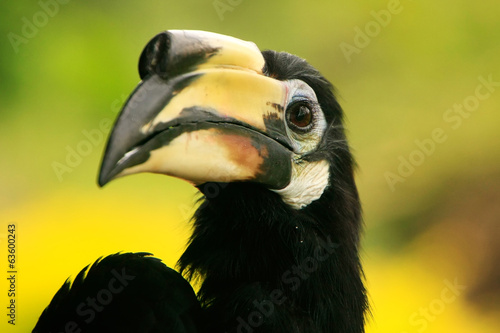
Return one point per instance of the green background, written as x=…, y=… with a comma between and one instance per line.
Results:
x=436, y=225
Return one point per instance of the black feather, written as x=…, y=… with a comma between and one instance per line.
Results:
x=130, y=292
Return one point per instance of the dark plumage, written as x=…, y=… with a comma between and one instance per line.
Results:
x=264, y=265
x=128, y=292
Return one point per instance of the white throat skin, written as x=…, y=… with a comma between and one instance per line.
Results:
x=309, y=181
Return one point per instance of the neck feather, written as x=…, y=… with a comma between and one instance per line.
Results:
x=266, y=267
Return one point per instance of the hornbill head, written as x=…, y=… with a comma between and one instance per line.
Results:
x=265, y=127
x=212, y=108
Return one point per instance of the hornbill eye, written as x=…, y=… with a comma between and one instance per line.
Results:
x=299, y=116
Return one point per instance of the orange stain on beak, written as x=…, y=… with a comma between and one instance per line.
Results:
x=242, y=152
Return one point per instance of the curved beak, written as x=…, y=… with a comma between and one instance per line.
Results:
x=204, y=112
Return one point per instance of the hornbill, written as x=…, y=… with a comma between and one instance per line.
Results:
x=276, y=236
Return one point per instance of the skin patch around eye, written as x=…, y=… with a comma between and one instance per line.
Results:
x=305, y=142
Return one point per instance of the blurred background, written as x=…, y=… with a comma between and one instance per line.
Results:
x=419, y=82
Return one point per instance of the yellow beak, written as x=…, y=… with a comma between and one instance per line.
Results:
x=204, y=112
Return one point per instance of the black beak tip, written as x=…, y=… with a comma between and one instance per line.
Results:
x=105, y=176
x=101, y=181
